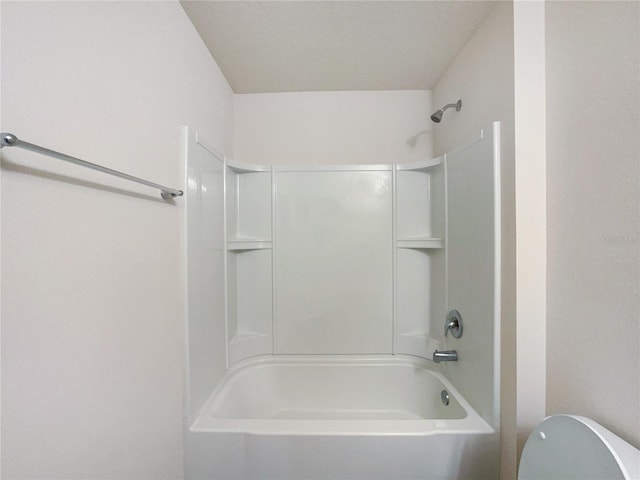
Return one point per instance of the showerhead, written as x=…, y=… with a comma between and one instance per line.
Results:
x=437, y=117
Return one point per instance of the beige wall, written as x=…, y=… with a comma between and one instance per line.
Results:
x=92, y=307
x=530, y=204
x=593, y=151
x=482, y=76
x=333, y=127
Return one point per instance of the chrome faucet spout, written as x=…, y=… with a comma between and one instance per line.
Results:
x=445, y=356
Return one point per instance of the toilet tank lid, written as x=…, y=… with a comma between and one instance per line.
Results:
x=575, y=447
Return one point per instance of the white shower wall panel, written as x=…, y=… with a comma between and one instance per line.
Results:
x=334, y=283
x=205, y=262
x=473, y=268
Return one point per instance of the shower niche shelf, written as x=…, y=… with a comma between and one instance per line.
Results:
x=419, y=255
x=249, y=303
x=248, y=205
x=249, y=260
x=422, y=165
x=420, y=344
x=420, y=243
x=242, y=245
x=419, y=299
x=420, y=204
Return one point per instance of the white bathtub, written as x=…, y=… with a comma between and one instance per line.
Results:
x=339, y=417
x=322, y=395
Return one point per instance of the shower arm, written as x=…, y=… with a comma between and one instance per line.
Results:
x=456, y=105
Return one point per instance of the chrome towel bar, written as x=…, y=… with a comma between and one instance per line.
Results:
x=10, y=140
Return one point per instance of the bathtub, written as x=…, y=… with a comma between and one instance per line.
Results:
x=337, y=395
x=339, y=417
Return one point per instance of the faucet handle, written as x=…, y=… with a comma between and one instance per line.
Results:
x=453, y=323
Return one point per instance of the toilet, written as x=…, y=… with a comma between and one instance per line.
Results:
x=569, y=447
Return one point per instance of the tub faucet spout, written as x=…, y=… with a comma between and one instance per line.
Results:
x=445, y=356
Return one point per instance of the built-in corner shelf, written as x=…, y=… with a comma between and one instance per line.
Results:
x=243, y=245
x=248, y=190
x=419, y=255
x=248, y=336
x=249, y=260
x=248, y=344
x=420, y=243
x=238, y=167
x=420, y=344
x=423, y=165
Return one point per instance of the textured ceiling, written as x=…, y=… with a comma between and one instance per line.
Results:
x=292, y=46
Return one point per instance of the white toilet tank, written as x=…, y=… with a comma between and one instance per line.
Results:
x=568, y=447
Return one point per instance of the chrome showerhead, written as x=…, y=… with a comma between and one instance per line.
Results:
x=437, y=117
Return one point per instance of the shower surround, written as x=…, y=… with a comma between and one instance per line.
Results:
x=316, y=298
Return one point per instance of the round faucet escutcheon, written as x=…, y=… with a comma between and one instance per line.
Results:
x=453, y=324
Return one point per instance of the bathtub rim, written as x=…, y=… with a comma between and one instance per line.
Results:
x=472, y=423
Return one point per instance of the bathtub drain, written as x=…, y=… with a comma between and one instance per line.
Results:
x=444, y=396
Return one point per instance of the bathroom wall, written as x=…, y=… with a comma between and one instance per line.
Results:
x=92, y=305
x=593, y=110
x=333, y=127
x=530, y=199
x=482, y=76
